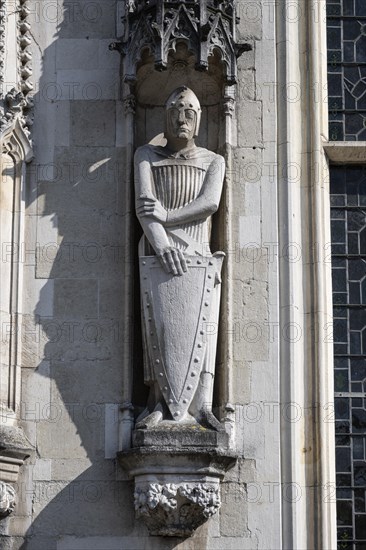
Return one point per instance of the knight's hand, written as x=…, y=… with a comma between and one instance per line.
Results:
x=173, y=260
x=149, y=206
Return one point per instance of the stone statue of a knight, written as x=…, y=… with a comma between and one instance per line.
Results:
x=178, y=187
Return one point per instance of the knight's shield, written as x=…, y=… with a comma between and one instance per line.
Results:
x=176, y=310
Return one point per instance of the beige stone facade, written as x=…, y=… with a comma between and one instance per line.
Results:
x=70, y=300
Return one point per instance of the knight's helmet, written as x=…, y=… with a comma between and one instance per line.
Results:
x=183, y=97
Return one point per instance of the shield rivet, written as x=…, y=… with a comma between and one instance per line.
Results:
x=188, y=261
x=208, y=290
x=199, y=345
x=145, y=278
x=143, y=263
x=149, y=319
x=189, y=387
x=151, y=334
x=209, y=276
x=147, y=305
x=206, y=304
x=154, y=347
x=199, y=261
x=203, y=318
x=170, y=401
x=185, y=401
x=196, y=359
x=210, y=263
x=177, y=413
x=165, y=388
x=161, y=374
x=193, y=374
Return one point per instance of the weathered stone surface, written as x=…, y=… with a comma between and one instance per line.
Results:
x=250, y=24
x=233, y=514
x=86, y=20
x=180, y=437
x=76, y=298
x=87, y=508
x=250, y=124
x=76, y=53
x=13, y=442
x=93, y=122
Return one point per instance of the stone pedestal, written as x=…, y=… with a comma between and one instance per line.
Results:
x=177, y=472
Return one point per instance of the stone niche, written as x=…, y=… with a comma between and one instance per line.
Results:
x=177, y=466
x=179, y=74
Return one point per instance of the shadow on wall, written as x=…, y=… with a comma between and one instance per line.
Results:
x=76, y=334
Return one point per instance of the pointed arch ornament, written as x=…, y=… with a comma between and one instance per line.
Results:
x=206, y=26
x=16, y=118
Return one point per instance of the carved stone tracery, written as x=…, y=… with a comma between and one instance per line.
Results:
x=206, y=26
x=17, y=103
x=16, y=150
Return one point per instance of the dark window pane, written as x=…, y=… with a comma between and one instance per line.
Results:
x=354, y=293
x=357, y=369
x=359, y=421
x=360, y=504
x=339, y=280
x=341, y=380
x=346, y=40
x=344, y=512
x=348, y=220
x=360, y=49
x=341, y=408
x=360, y=473
x=353, y=244
x=348, y=7
x=360, y=7
x=358, y=448
x=360, y=522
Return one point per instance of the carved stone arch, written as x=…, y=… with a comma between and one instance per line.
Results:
x=14, y=447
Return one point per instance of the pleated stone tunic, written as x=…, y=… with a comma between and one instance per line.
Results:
x=177, y=181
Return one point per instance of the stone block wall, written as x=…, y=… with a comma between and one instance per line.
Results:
x=72, y=496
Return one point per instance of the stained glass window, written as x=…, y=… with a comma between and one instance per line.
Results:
x=346, y=36
x=348, y=223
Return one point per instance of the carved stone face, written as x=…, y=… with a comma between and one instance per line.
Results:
x=182, y=122
x=183, y=113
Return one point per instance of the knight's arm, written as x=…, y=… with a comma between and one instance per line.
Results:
x=153, y=230
x=208, y=199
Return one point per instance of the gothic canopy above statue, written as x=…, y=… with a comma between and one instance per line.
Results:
x=206, y=26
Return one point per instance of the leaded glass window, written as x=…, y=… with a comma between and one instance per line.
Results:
x=348, y=223
x=346, y=36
